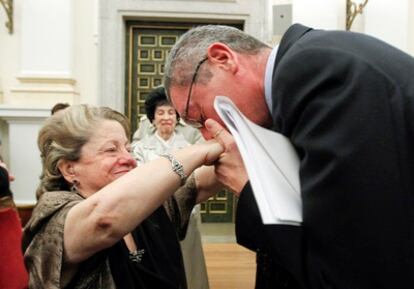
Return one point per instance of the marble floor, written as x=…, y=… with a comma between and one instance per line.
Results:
x=229, y=265
x=217, y=233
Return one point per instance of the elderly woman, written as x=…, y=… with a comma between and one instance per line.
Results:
x=166, y=139
x=100, y=222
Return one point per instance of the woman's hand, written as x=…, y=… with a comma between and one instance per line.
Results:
x=212, y=151
x=229, y=167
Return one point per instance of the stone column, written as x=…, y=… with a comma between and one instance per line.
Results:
x=46, y=53
x=20, y=144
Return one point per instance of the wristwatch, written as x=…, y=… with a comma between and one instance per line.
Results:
x=176, y=166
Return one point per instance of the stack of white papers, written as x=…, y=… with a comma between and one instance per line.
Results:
x=271, y=163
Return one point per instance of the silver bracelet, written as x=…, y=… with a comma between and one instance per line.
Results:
x=176, y=166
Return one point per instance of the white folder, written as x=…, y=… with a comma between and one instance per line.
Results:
x=271, y=163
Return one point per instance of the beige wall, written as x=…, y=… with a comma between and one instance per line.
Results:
x=410, y=32
x=86, y=46
x=9, y=54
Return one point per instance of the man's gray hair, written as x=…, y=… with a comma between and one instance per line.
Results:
x=192, y=46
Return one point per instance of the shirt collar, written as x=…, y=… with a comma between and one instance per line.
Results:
x=269, y=76
x=167, y=143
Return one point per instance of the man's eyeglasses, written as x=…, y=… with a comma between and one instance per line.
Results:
x=194, y=123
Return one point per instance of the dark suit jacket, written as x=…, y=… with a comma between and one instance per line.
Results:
x=345, y=100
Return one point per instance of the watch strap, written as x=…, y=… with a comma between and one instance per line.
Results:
x=176, y=166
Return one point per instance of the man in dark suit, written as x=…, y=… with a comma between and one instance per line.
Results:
x=345, y=101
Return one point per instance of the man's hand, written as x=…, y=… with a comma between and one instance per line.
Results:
x=229, y=167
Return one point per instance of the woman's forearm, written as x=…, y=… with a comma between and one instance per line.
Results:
x=108, y=215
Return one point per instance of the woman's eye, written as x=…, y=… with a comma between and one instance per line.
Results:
x=111, y=149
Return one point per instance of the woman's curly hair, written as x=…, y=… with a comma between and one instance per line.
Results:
x=62, y=137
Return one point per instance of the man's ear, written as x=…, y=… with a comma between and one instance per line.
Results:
x=223, y=56
x=67, y=170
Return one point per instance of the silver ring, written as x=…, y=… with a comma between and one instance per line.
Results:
x=218, y=133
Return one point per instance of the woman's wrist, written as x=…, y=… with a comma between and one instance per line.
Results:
x=176, y=167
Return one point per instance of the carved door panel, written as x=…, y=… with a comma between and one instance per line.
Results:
x=148, y=45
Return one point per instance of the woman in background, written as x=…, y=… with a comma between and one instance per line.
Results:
x=166, y=139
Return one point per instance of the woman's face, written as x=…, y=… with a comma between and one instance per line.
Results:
x=165, y=119
x=104, y=158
